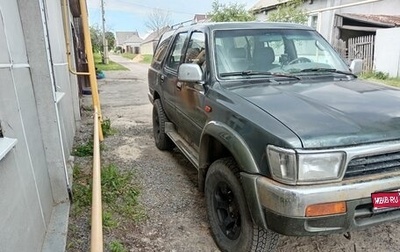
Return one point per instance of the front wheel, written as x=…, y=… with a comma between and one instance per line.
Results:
x=228, y=214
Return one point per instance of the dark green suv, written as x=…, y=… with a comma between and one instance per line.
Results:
x=285, y=138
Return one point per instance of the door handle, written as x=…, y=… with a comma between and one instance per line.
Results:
x=162, y=78
x=179, y=85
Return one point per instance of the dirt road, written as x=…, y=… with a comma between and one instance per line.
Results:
x=176, y=211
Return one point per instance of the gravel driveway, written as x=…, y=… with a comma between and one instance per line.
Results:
x=176, y=211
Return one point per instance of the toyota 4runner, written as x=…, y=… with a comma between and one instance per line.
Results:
x=285, y=138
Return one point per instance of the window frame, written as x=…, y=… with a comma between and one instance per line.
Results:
x=173, y=47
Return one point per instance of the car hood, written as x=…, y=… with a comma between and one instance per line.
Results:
x=330, y=114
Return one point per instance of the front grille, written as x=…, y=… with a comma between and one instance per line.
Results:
x=388, y=162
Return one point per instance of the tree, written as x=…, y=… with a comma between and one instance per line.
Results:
x=290, y=12
x=110, y=37
x=158, y=19
x=96, y=36
x=229, y=13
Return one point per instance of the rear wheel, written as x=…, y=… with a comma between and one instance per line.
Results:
x=228, y=214
x=159, y=118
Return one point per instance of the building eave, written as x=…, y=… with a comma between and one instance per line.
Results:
x=371, y=19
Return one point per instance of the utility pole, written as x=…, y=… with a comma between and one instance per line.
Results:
x=105, y=42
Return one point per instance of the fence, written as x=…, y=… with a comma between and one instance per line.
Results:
x=362, y=48
x=358, y=48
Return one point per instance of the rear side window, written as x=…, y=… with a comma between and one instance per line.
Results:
x=176, y=52
x=161, y=50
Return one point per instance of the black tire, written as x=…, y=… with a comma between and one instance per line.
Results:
x=159, y=118
x=228, y=214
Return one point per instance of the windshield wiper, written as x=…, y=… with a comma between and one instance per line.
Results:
x=252, y=72
x=245, y=73
x=330, y=70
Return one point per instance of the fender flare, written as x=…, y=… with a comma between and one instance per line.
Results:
x=241, y=153
x=232, y=141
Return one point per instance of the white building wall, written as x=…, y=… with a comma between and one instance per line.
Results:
x=61, y=72
x=147, y=48
x=26, y=197
x=132, y=45
x=32, y=173
x=387, y=53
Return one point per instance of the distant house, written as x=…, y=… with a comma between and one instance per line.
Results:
x=132, y=44
x=149, y=44
x=128, y=41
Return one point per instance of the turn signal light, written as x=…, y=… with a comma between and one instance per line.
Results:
x=326, y=209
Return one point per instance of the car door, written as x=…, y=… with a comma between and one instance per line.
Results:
x=190, y=95
x=169, y=76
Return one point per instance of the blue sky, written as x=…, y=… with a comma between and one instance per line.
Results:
x=131, y=15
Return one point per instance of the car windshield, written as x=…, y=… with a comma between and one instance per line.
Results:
x=274, y=51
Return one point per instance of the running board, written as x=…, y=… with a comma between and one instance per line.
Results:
x=183, y=146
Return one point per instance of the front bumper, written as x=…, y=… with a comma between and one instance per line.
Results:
x=284, y=206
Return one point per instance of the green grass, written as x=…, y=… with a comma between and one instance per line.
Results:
x=111, y=66
x=82, y=190
x=87, y=108
x=83, y=150
x=147, y=58
x=129, y=55
x=86, y=149
x=109, y=221
x=394, y=82
x=381, y=77
x=116, y=246
x=107, y=129
x=119, y=195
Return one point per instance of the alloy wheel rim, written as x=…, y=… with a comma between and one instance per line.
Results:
x=227, y=211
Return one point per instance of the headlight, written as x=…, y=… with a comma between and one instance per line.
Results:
x=291, y=167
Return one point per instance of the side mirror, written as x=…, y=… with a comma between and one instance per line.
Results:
x=356, y=66
x=190, y=72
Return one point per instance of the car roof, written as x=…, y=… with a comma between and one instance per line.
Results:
x=245, y=25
